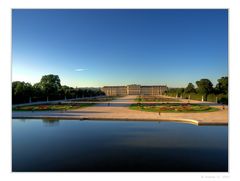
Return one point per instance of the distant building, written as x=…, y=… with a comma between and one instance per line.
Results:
x=134, y=89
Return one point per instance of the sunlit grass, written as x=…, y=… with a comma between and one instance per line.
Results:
x=52, y=107
x=155, y=99
x=173, y=108
x=96, y=99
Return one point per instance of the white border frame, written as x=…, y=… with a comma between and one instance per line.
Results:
x=6, y=7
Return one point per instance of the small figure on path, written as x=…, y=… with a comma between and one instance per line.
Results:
x=223, y=107
x=108, y=104
x=159, y=112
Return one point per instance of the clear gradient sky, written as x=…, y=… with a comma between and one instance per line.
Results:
x=92, y=48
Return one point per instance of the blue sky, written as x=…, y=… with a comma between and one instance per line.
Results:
x=92, y=48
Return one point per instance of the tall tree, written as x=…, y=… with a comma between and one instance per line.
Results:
x=180, y=91
x=50, y=84
x=65, y=91
x=190, y=89
x=222, y=85
x=21, y=91
x=37, y=90
x=205, y=87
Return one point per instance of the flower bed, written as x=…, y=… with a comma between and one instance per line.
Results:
x=52, y=107
x=174, y=108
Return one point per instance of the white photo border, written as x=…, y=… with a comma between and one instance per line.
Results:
x=6, y=7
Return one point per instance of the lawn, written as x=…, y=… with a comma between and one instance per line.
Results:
x=52, y=107
x=96, y=99
x=155, y=99
x=173, y=108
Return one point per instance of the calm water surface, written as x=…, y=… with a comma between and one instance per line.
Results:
x=71, y=145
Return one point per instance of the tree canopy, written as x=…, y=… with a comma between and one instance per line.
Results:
x=50, y=84
x=49, y=87
x=190, y=88
x=205, y=87
x=222, y=85
x=21, y=90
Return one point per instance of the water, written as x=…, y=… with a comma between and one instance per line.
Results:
x=71, y=145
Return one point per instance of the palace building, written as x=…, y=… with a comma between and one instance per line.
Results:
x=134, y=89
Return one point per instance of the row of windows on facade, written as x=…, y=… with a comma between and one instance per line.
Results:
x=134, y=90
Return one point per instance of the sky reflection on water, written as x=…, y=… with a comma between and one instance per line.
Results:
x=71, y=145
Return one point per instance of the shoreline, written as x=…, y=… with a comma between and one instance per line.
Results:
x=188, y=121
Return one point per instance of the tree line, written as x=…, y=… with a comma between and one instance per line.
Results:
x=204, y=90
x=49, y=88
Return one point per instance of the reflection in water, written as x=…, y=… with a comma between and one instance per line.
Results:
x=118, y=146
x=51, y=122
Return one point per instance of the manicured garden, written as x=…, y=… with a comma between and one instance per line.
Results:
x=52, y=107
x=150, y=98
x=173, y=108
x=95, y=99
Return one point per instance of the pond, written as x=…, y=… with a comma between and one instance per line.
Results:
x=74, y=145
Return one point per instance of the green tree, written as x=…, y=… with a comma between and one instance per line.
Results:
x=21, y=91
x=205, y=87
x=190, y=89
x=222, y=85
x=180, y=91
x=50, y=84
x=64, y=91
x=37, y=91
x=79, y=92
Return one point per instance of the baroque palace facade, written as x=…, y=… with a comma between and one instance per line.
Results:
x=134, y=89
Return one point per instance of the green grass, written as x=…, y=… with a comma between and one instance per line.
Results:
x=96, y=99
x=155, y=99
x=173, y=108
x=52, y=107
